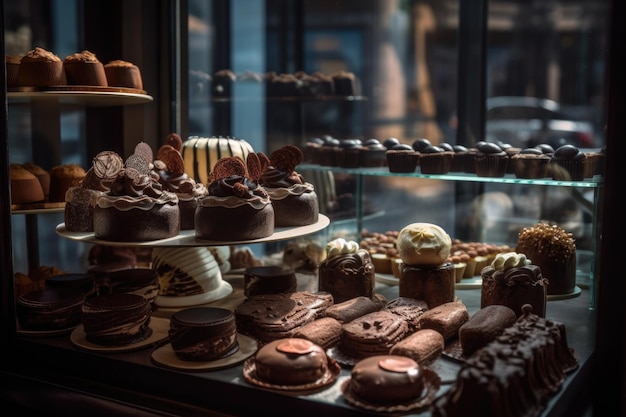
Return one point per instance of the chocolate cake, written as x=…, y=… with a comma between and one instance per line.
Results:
x=347, y=271
x=84, y=68
x=352, y=308
x=511, y=280
x=116, y=319
x=203, y=333
x=140, y=281
x=434, y=285
x=423, y=346
x=135, y=208
x=293, y=198
x=41, y=68
x=325, y=332
x=237, y=207
x=269, y=279
x=408, y=308
x=49, y=309
x=122, y=73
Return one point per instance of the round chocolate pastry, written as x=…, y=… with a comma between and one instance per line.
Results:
x=291, y=361
x=49, y=309
x=387, y=379
x=269, y=279
x=203, y=333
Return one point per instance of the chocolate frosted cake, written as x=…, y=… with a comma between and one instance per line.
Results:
x=116, y=319
x=49, y=309
x=82, y=199
x=293, y=198
x=511, y=280
x=140, y=281
x=135, y=208
x=237, y=207
x=347, y=271
x=525, y=366
x=445, y=318
x=423, y=346
x=203, y=333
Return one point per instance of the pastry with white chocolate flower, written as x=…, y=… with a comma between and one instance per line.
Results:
x=425, y=273
x=347, y=271
x=512, y=280
x=423, y=244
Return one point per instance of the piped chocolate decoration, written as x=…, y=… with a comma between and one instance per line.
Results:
x=107, y=164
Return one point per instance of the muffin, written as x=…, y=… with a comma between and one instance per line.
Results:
x=530, y=163
x=490, y=160
x=12, y=63
x=84, y=68
x=568, y=164
x=62, y=178
x=372, y=154
x=121, y=73
x=25, y=187
x=434, y=160
x=41, y=68
x=402, y=158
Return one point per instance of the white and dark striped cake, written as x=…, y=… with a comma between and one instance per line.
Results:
x=188, y=276
x=200, y=154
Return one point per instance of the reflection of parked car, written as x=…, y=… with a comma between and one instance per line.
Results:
x=528, y=121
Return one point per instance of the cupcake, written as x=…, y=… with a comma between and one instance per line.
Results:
x=123, y=74
x=62, y=178
x=568, y=163
x=372, y=154
x=491, y=160
x=12, y=63
x=458, y=161
x=42, y=175
x=348, y=152
x=25, y=187
x=84, y=68
x=434, y=160
x=530, y=163
x=41, y=68
x=402, y=158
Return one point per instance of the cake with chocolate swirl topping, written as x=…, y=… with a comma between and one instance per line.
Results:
x=513, y=281
x=237, y=207
x=293, y=198
x=347, y=271
x=136, y=208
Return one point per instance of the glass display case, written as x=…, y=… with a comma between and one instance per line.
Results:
x=422, y=69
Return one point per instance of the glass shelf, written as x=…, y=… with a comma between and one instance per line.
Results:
x=594, y=182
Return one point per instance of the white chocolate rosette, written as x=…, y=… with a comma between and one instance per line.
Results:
x=340, y=246
x=423, y=244
x=508, y=260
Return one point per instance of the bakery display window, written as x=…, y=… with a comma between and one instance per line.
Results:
x=313, y=74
